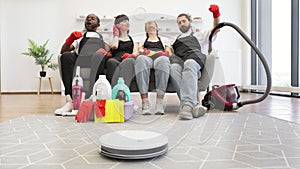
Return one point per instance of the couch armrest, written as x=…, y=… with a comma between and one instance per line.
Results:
x=207, y=71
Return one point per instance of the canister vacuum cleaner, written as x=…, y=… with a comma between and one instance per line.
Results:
x=226, y=97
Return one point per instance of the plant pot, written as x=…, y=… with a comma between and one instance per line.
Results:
x=42, y=73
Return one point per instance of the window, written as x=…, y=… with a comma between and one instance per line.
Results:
x=275, y=29
x=281, y=43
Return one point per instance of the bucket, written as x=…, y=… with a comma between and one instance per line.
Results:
x=129, y=109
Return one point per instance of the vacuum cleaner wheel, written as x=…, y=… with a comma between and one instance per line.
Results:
x=133, y=144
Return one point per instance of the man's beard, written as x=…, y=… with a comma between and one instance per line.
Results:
x=185, y=29
x=90, y=27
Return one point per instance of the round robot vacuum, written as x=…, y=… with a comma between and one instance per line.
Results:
x=133, y=144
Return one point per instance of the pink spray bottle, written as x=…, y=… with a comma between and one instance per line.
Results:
x=77, y=85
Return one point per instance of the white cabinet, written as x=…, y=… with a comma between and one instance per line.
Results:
x=167, y=27
x=106, y=28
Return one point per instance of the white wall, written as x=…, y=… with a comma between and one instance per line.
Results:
x=1, y=10
x=55, y=19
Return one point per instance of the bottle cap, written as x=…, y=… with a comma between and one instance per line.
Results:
x=121, y=79
x=102, y=76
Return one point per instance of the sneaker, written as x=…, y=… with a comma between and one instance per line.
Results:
x=65, y=108
x=159, y=109
x=185, y=113
x=70, y=113
x=146, y=107
x=198, y=111
x=135, y=108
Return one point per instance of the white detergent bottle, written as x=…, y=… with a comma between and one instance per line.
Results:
x=77, y=85
x=102, y=89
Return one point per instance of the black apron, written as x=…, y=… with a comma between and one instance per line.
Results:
x=86, y=60
x=123, y=47
x=188, y=48
x=87, y=48
x=154, y=46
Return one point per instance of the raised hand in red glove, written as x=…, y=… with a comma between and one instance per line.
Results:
x=166, y=53
x=74, y=35
x=104, y=52
x=116, y=31
x=215, y=10
x=127, y=55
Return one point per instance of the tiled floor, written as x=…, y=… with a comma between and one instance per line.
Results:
x=237, y=140
x=217, y=140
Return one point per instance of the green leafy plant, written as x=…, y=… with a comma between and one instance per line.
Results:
x=40, y=53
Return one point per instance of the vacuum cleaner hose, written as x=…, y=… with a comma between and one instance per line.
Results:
x=257, y=51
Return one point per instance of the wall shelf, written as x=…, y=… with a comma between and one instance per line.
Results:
x=167, y=25
x=82, y=18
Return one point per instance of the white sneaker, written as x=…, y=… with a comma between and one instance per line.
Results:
x=65, y=108
x=159, y=108
x=146, y=107
x=135, y=108
x=185, y=113
x=71, y=113
x=198, y=111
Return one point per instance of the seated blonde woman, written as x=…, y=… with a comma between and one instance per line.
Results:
x=154, y=53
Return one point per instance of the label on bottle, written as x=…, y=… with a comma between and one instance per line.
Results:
x=100, y=95
x=121, y=95
x=76, y=96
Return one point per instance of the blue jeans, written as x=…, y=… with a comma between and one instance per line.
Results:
x=185, y=81
x=161, y=67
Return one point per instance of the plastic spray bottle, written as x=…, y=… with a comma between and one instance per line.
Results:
x=77, y=85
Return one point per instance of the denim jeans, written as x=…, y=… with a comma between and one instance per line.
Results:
x=185, y=81
x=161, y=67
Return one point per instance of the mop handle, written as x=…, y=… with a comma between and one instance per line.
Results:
x=257, y=51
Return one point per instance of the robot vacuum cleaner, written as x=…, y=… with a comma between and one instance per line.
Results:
x=133, y=144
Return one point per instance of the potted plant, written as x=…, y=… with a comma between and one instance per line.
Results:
x=41, y=56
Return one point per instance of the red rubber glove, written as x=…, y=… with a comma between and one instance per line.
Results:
x=215, y=10
x=84, y=111
x=127, y=55
x=74, y=35
x=104, y=52
x=166, y=53
x=116, y=31
x=101, y=106
x=96, y=111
